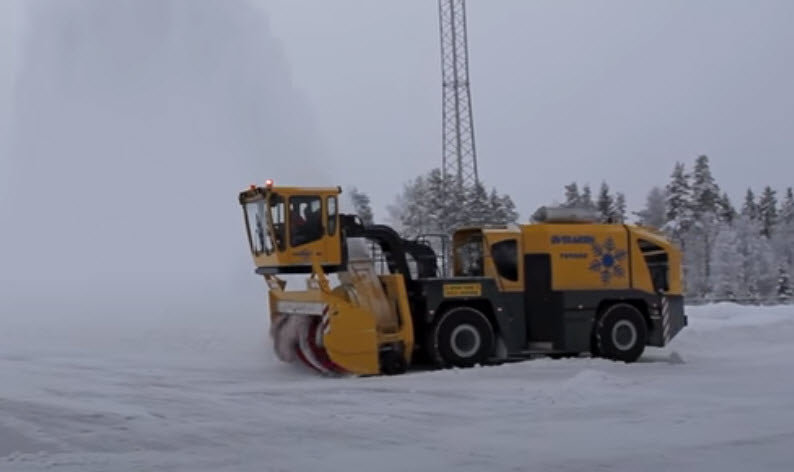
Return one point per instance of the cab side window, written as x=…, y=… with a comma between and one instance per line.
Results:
x=277, y=206
x=306, y=221
x=505, y=258
x=331, y=225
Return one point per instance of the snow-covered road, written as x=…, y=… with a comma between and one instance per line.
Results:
x=720, y=398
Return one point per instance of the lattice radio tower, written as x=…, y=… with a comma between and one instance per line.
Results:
x=458, y=152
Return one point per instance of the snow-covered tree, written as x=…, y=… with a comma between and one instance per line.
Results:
x=586, y=198
x=767, y=211
x=705, y=192
x=679, y=193
x=434, y=203
x=678, y=205
x=619, y=210
x=700, y=239
x=725, y=210
x=605, y=203
x=787, y=208
x=783, y=238
x=478, y=211
x=750, y=207
x=705, y=205
x=362, y=206
x=503, y=208
x=758, y=259
x=727, y=266
x=409, y=212
x=784, y=290
x=653, y=214
x=572, y=197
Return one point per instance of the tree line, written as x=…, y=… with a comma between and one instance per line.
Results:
x=435, y=203
x=729, y=254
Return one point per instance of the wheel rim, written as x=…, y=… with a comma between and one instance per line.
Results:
x=624, y=335
x=465, y=340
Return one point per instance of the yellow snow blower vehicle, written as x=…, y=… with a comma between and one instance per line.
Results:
x=560, y=286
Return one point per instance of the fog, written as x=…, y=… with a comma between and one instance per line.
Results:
x=134, y=124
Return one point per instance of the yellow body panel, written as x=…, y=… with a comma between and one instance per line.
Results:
x=351, y=340
x=675, y=276
x=394, y=285
x=583, y=256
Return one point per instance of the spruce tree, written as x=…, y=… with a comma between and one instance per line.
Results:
x=586, y=199
x=678, y=206
x=604, y=204
x=784, y=289
x=619, y=210
x=787, y=208
x=767, y=211
x=725, y=210
x=705, y=192
x=478, y=211
x=572, y=197
x=496, y=207
x=678, y=194
x=783, y=238
x=750, y=207
x=508, y=210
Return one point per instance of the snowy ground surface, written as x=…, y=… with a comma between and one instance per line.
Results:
x=209, y=397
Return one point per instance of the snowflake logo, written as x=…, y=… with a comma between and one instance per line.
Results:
x=607, y=260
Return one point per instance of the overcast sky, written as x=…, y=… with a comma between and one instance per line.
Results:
x=575, y=90
x=563, y=91
x=9, y=35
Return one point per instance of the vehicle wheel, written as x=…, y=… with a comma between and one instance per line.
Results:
x=620, y=333
x=462, y=337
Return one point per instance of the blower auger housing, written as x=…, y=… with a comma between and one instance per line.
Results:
x=560, y=286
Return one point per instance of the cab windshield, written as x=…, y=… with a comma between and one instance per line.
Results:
x=263, y=239
x=468, y=256
x=257, y=224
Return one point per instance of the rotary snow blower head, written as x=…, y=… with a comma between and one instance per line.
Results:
x=363, y=325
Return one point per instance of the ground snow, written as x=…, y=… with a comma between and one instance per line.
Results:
x=210, y=396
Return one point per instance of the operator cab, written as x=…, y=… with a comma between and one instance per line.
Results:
x=289, y=227
x=489, y=251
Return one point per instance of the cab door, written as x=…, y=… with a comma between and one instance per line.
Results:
x=503, y=263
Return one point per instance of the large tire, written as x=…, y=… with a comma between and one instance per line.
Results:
x=620, y=333
x=462, y=337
